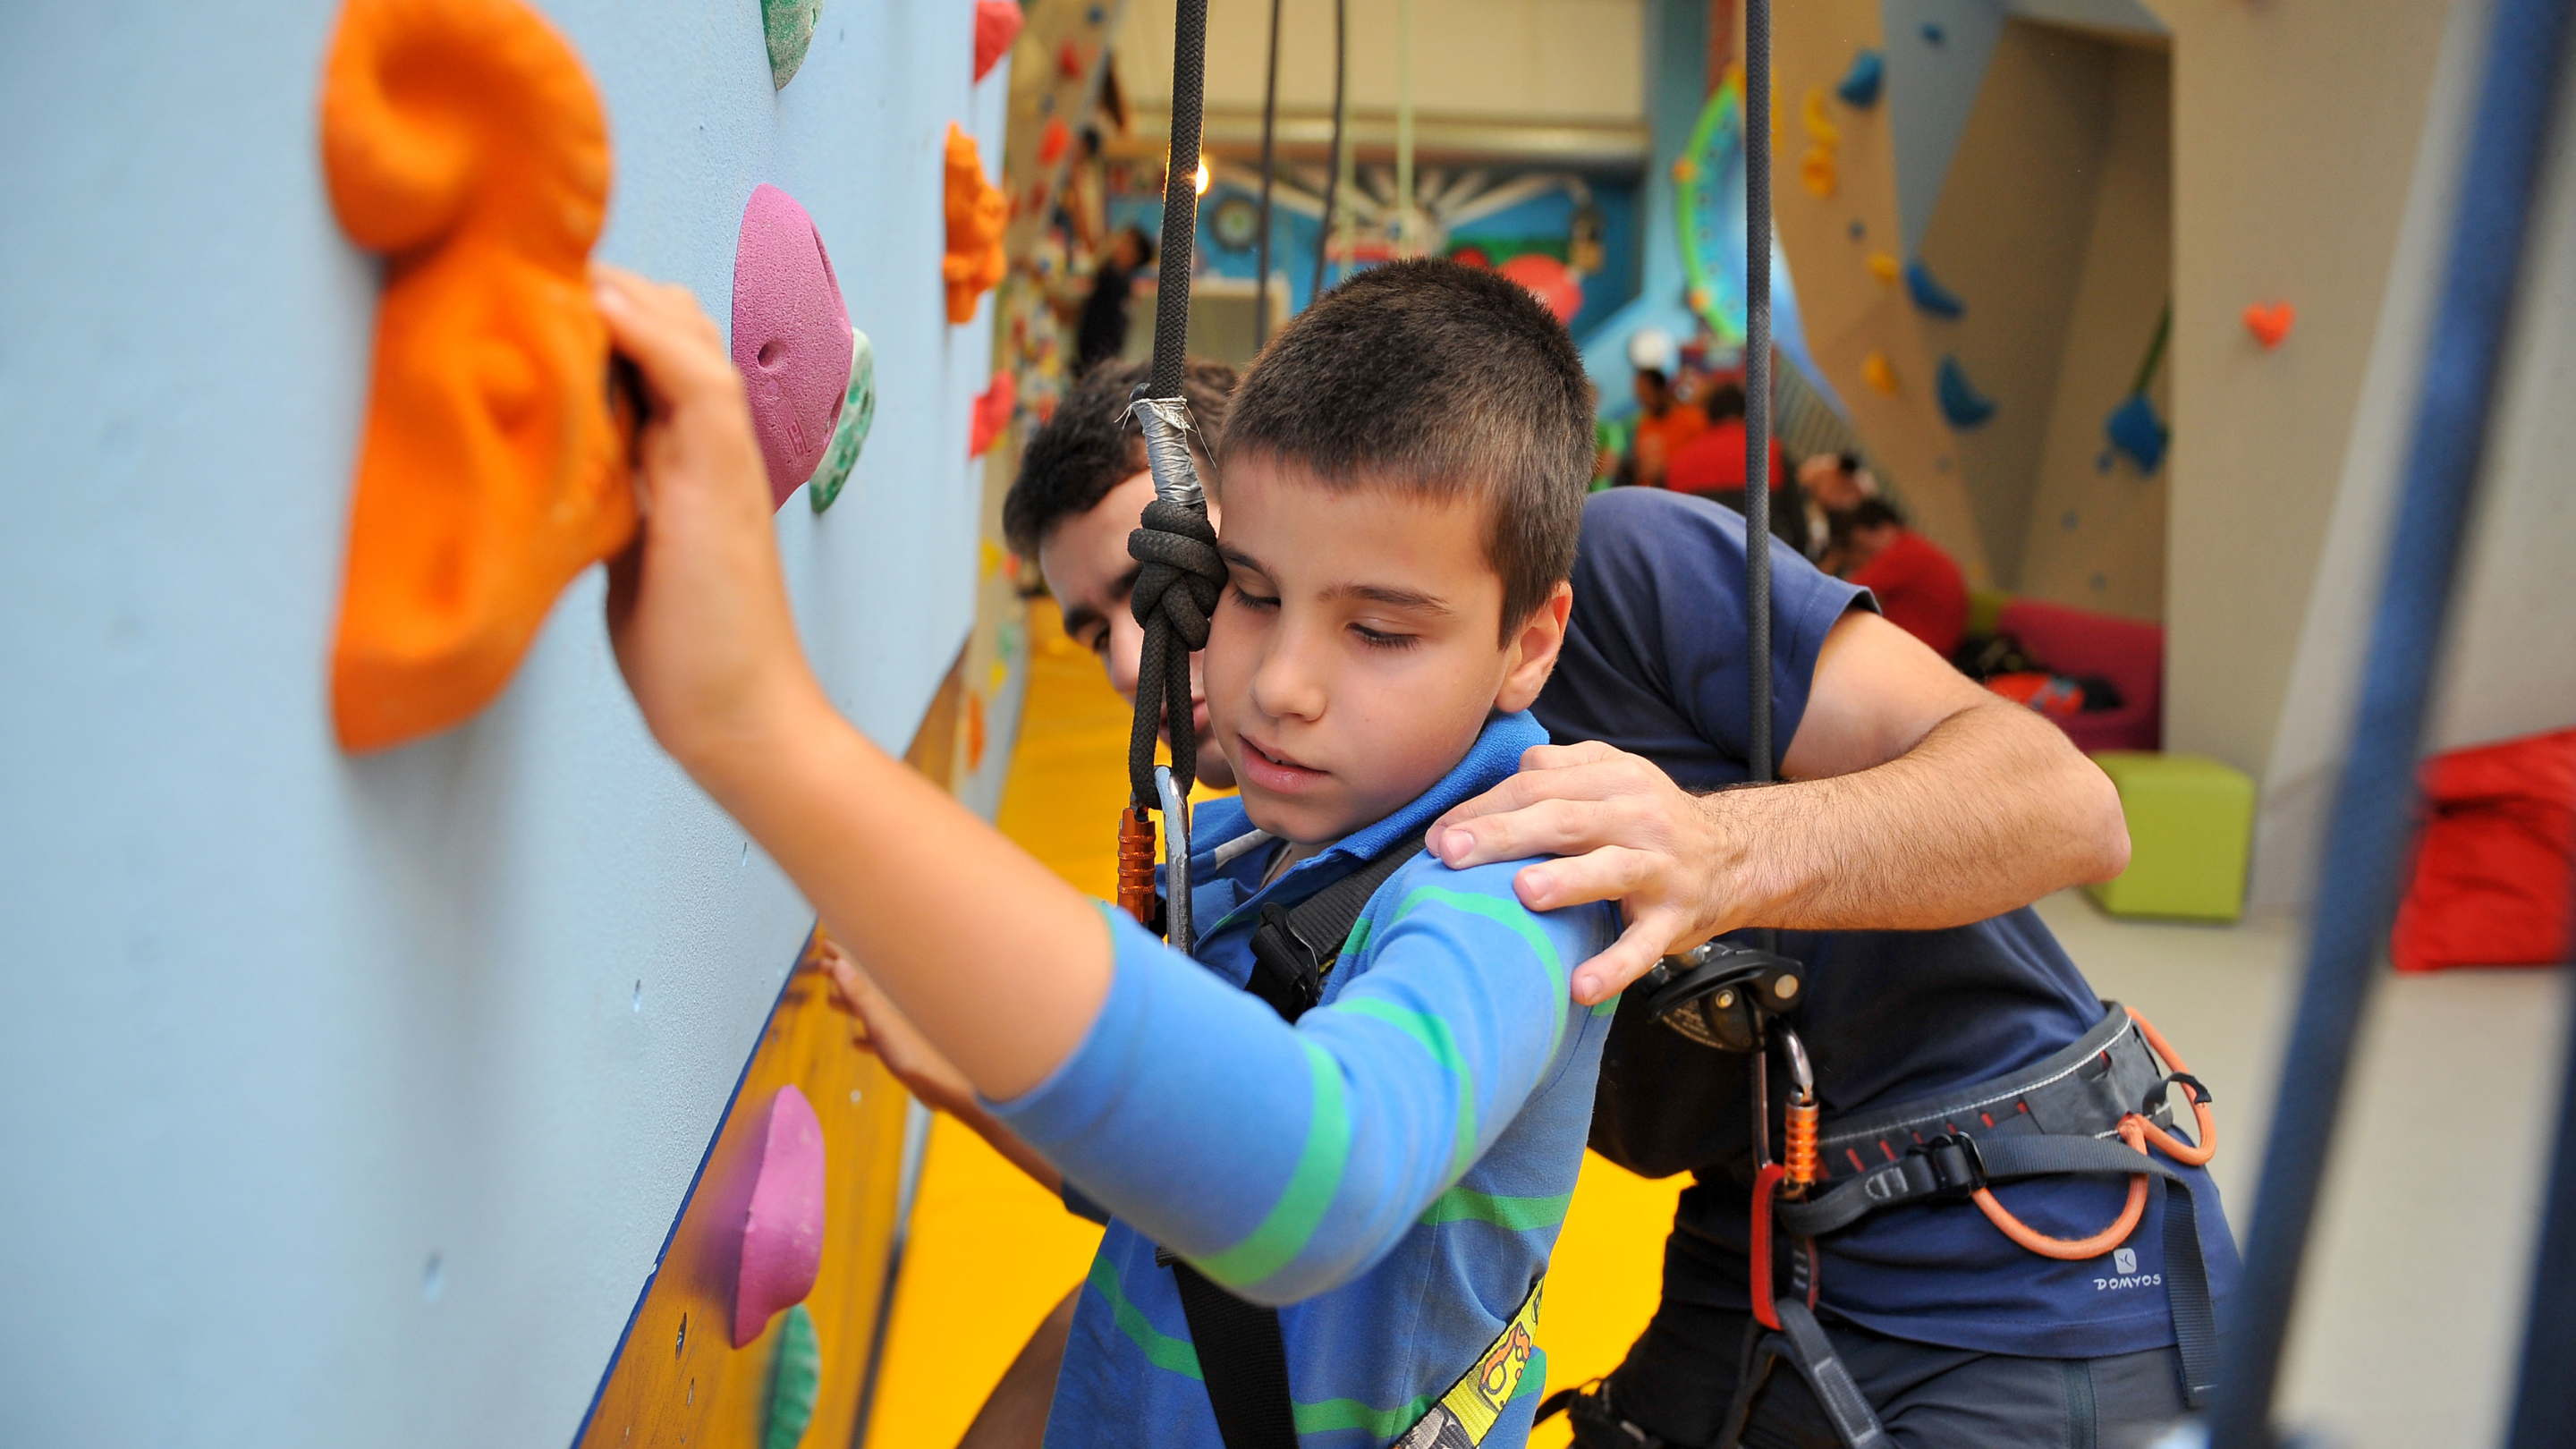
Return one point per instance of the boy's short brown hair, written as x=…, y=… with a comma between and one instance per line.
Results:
x=1441, y=380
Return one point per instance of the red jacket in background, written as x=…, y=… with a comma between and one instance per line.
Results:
x=1919, y=590
x=1713, y=462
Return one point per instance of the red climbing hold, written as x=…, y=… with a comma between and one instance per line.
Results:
x=997, y=24
x=2270, y=324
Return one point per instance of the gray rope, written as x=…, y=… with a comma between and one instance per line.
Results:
x=1757, y=382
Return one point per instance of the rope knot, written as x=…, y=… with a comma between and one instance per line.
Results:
x=1177, y=584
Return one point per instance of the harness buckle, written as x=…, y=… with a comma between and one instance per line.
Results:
x=1958, y=1164
x=2155, y=1102
x=1287, y=970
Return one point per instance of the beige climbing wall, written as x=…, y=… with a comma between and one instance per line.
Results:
x=1849, y=312
x=2095, y=536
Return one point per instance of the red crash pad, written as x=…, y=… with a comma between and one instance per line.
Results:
x=2496, y=867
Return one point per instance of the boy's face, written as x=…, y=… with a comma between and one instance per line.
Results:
x=1353, y=658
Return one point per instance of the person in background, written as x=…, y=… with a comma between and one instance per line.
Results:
x=1834, y=484
x=1665, y=424
x=1919, y=588
x=1712, y=465
x=1101, y=334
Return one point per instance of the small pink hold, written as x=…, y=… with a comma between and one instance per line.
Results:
x=782, y=1229
x=997, y=24
x=791, y=337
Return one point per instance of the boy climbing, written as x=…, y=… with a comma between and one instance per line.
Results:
x=1402, y=477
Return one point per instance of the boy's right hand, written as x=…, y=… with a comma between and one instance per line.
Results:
x=697, y=607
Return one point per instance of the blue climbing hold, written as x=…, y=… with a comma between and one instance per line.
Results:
x=1095, y=15
x=1859, y=88
x=2135, y=430
x=1930, y=295
x=1857, y=231
x=2068, y=520
x=1933, y=34
x=2102, y=461
x=1961, y=403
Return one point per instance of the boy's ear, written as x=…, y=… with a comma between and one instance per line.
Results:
x=1532, y=652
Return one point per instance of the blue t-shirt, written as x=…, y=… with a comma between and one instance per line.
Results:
x=1654, y=664
x=1392, y=1169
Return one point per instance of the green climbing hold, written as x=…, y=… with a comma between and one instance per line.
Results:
x=850, y=431
x=790, y=28
x=795, y=1380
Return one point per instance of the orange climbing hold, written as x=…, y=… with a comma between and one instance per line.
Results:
x=1818, y=171
x=1884, y=267
x=462, y=139
x=1878, y=372
x=977, y=212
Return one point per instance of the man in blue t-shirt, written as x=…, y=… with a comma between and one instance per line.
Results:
x=1957, y=1335
x=1921, y=817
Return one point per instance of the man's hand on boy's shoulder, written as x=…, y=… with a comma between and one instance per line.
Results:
x=1917, y=801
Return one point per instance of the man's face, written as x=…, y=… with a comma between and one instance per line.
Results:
x=1353, y=658
x=1652, y=395
x=1089, y=571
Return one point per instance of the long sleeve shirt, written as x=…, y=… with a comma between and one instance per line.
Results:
x=1391, y=1170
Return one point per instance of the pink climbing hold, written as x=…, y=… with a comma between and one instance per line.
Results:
x=782, y=1229
x=791, y=337
x=992, y=414
x=997, y=24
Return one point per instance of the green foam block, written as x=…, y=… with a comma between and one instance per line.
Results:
x=2191, y=827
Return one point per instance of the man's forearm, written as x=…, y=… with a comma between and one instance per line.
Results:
x=1991, y=810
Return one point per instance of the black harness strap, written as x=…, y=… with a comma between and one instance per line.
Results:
x=1242, y=1356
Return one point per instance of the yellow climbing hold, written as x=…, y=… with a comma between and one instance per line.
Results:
x=1817, y=171
x=992, y=558
x=1819, y=125
x=1884, y=267
x=1875, y=371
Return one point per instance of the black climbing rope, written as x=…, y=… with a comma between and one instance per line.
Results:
x=1269, y=128
x=1757, y=387
x=1179, y=572
x=2366, y=841
x=1333, y=163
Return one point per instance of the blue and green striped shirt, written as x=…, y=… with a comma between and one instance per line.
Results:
x=1392, y=1170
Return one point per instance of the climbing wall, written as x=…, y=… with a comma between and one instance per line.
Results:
x=2053, y=230
x=355, y=1092
x=1835, y=202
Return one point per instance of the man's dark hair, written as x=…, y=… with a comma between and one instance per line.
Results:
x=1144, y=245
x=1725, y=400
x=1656, y=376
x=1876, y=513
x=1090, y=447
x=1440, y=380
